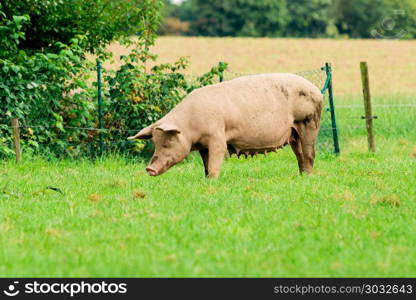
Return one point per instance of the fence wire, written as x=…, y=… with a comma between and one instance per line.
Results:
x=91, y=144
x=318, y=77
x=394, y=119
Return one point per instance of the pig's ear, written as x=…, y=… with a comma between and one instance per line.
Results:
x=144, y=134
x=168, y=128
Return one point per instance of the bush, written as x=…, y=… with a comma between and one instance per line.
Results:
x=35, y=89
x=48, y=89
x=43, y=62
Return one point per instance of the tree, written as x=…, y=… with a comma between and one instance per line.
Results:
x=375, y=18
x=100, y=21
x=239, y=17
x=400, y=20
x=172, y=19
x=299, y=18
x=43, y=58
x=308, y=18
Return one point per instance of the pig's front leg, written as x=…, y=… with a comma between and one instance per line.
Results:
x=216, y=154
x=204, y=156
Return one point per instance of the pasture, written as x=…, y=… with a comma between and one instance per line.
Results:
x=354, y=216
x=391, y=62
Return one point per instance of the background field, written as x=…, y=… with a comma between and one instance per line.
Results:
x=391, y=62
x=353, y=217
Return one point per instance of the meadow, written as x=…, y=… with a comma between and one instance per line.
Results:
x=354, y=216
x=391, y=62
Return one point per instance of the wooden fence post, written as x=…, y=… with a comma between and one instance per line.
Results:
x=16, y=139
x=367, y=106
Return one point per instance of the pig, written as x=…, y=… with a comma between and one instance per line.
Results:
x=244, y=116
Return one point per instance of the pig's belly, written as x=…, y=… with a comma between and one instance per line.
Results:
x=261, y=136
x=259, y=125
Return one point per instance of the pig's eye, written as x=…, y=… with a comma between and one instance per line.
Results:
x=165, y=144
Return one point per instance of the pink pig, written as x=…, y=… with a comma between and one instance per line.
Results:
x=244, y=116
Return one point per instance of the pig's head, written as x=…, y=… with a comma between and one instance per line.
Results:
x=171, y=147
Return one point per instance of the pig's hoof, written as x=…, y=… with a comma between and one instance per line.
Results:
x=212, y=176
x=306, y=172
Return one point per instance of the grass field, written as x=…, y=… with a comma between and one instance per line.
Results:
x=354, y=216
x=391, y=62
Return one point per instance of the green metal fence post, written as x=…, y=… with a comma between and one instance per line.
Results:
x=222, y=68
x=100, y=109
x=328, y=71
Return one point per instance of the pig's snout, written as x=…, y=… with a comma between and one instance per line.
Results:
x=151, y=171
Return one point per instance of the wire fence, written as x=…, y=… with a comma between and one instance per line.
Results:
x=319, y=77
x=393, y=119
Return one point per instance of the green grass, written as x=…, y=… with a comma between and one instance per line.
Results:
x=354, y=217
x=396, y=117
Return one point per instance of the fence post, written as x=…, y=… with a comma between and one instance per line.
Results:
x=328, y=71
x=367, y=106
x=16, y=139
x=100, y=109
x=222, y=67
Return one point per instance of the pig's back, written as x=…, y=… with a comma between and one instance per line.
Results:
x=255, y=95
x=260, y=110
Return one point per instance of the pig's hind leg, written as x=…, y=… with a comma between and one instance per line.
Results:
x=308, y=145
x=308, y=132
x=295, y=144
